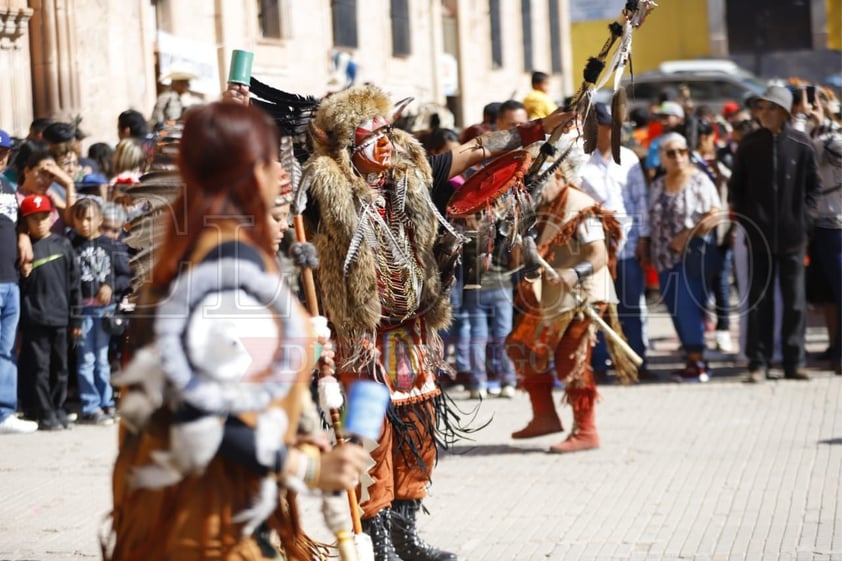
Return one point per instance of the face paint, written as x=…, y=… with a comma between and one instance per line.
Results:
x=372, y=142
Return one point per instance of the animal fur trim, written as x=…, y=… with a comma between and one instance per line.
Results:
x=351, y=301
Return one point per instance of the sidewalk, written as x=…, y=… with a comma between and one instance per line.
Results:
x=708, y=472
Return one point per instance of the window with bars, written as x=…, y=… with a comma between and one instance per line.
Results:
x=496, y=34
x=526, y=24
x=344, y=23
x=555, y=37
x=401, y=38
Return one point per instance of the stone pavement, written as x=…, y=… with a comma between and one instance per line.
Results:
x=708, y=472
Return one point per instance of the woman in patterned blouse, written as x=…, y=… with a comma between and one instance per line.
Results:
x=683, y=209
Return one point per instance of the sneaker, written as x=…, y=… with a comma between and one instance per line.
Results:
x=64, y=418
x=13, y=425
x=50, y=424
x=754, y=376
x=693, y=372
x=796, y=375
x=98, y=417
x=111, y=412
x=507, y=392
x=477, y=394
x=723, y=342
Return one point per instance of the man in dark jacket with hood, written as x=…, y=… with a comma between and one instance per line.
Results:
x=773, y=191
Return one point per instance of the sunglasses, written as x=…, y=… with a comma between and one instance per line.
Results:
x=674, y=152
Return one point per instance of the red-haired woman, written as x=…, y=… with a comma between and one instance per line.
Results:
x=196, y=467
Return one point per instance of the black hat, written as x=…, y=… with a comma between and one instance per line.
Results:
x=603, y=113
x=59, y=132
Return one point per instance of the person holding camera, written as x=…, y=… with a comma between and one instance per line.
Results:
x=814, y=110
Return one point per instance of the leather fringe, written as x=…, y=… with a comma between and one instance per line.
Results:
x=440, y=417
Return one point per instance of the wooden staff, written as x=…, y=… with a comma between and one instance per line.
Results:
x=336, y=422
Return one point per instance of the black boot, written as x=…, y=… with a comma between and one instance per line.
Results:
x=378, y=529
x=405, y=535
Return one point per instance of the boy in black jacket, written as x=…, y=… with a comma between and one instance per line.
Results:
x=49, y=297
x=95, y=256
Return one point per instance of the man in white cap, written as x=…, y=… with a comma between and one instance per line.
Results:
x=773, y=192
x=173, y=101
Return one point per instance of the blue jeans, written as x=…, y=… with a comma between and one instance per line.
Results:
x=631, y=310
x=685, y=298
x=9, y=316
x=489, y=313
x=92, y=363
x=459, y=332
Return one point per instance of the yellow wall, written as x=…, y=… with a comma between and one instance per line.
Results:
x=834, y=24
x=676, y=29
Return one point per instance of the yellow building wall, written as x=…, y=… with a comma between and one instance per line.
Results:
x=676, y=29
x=834, y=24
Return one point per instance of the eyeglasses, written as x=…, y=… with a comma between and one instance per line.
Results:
x=110, y=229
x=674, y=152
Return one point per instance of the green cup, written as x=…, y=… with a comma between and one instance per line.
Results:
x=240, y=70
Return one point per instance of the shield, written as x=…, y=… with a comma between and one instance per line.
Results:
x=502, y=177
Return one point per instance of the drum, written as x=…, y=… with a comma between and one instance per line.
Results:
x=502, y=177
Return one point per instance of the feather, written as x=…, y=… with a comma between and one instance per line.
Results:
x=289, y=162
x=618, y=117
x=291, y=112
x=590, y=130
x=261, y=507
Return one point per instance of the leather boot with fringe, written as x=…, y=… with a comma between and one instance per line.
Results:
x=405, y=534
x=544, y=420
x=378, y=529
x=584, y=435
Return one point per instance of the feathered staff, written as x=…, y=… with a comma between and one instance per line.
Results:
x=631, y=17
x=293, y=113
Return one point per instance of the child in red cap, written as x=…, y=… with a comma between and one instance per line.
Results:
x=49, y=296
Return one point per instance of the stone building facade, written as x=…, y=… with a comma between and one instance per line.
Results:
x=96, y=58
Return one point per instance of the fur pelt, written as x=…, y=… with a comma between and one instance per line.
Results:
x=352, y=302
x=340, y=114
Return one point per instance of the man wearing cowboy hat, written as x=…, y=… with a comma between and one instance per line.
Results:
x=172, y=102
x=773, y=192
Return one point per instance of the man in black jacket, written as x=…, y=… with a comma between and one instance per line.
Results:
x=773, y=190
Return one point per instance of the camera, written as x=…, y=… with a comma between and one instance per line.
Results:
x=796, y=93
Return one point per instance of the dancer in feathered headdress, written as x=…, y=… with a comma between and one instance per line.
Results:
x=374, y=204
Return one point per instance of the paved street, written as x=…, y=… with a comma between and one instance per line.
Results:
x=709, y=472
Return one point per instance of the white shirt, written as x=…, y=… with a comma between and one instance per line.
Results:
x=620, y=188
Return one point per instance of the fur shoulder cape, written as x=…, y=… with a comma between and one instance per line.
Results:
x=351, y=301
